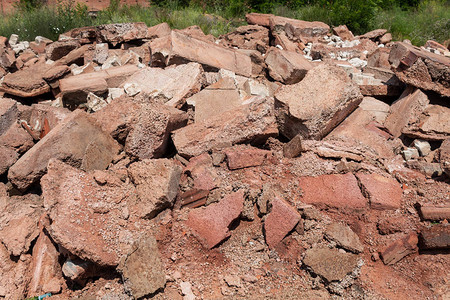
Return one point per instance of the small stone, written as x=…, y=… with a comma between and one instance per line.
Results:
x=76, y=269
x=95, y=103
x=186, y=290
x=294, y=147
x=132, y=89
x=422, y=146
x=410, y=153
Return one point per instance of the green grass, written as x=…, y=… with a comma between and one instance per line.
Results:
x=430, y=20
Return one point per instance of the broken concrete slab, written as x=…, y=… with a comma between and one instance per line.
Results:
x=26, y=83
x=210, y=56
x=17, y=138
x=45, y=268
x=299, y=30
x=344, y=237
x=434, y=213
x=171, y=85
x=8, y=157
x=243, y=156
x=250, y=37
x=435, y=237
x=364, y=126
x=432, y=124
x=142, y=268
x=343, y=32
x=405, y=110
x=285, y=66
x=156, y=182
x=9, y=114
x=258, y=19
x=14, y=275
x=210, y=224
x=336, y=190
x=149, y=133
x=382, y=192
x=379, y=58
x=158, y=31
x=215, y=99
x=310, y=109
x=374, y=34
x=19, y=223
x=117, y=117
x=279, y=222
x=122, y=32
x=88, y=207
x=330, y=264
x=109, y=33
x=77, y=140
x=143, y=126
x=381, y=90
x=420, y=68
x=78, y=56
x=399, y=249
x=59, y=49
x=254, y=122
x=7, y=58
x=74, y=89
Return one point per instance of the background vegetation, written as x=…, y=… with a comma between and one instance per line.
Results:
x=416, y=20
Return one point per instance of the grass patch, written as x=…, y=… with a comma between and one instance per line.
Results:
x=430, y=21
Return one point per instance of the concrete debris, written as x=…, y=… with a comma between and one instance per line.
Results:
x=280, y=221
x=210, y=224
x=283, y=160
x=315, y=105
x=77, y=140
x=156, y=182
x=420, y=68
x=142, y=268
x=344, y=237
x=286, y=67
x=435, y=237
x=400, y=248
x=330, y=264
x=254, y=122
x=434, y=213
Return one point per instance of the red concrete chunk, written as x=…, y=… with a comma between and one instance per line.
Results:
x=280, y=221
x=244, y=156
x=435, y=237
x=336, y=190
x=210, y=224
x=382, y=192
x=258, y=19
x=399, y=249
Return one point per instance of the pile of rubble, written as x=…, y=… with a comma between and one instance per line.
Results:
x=284, y=160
